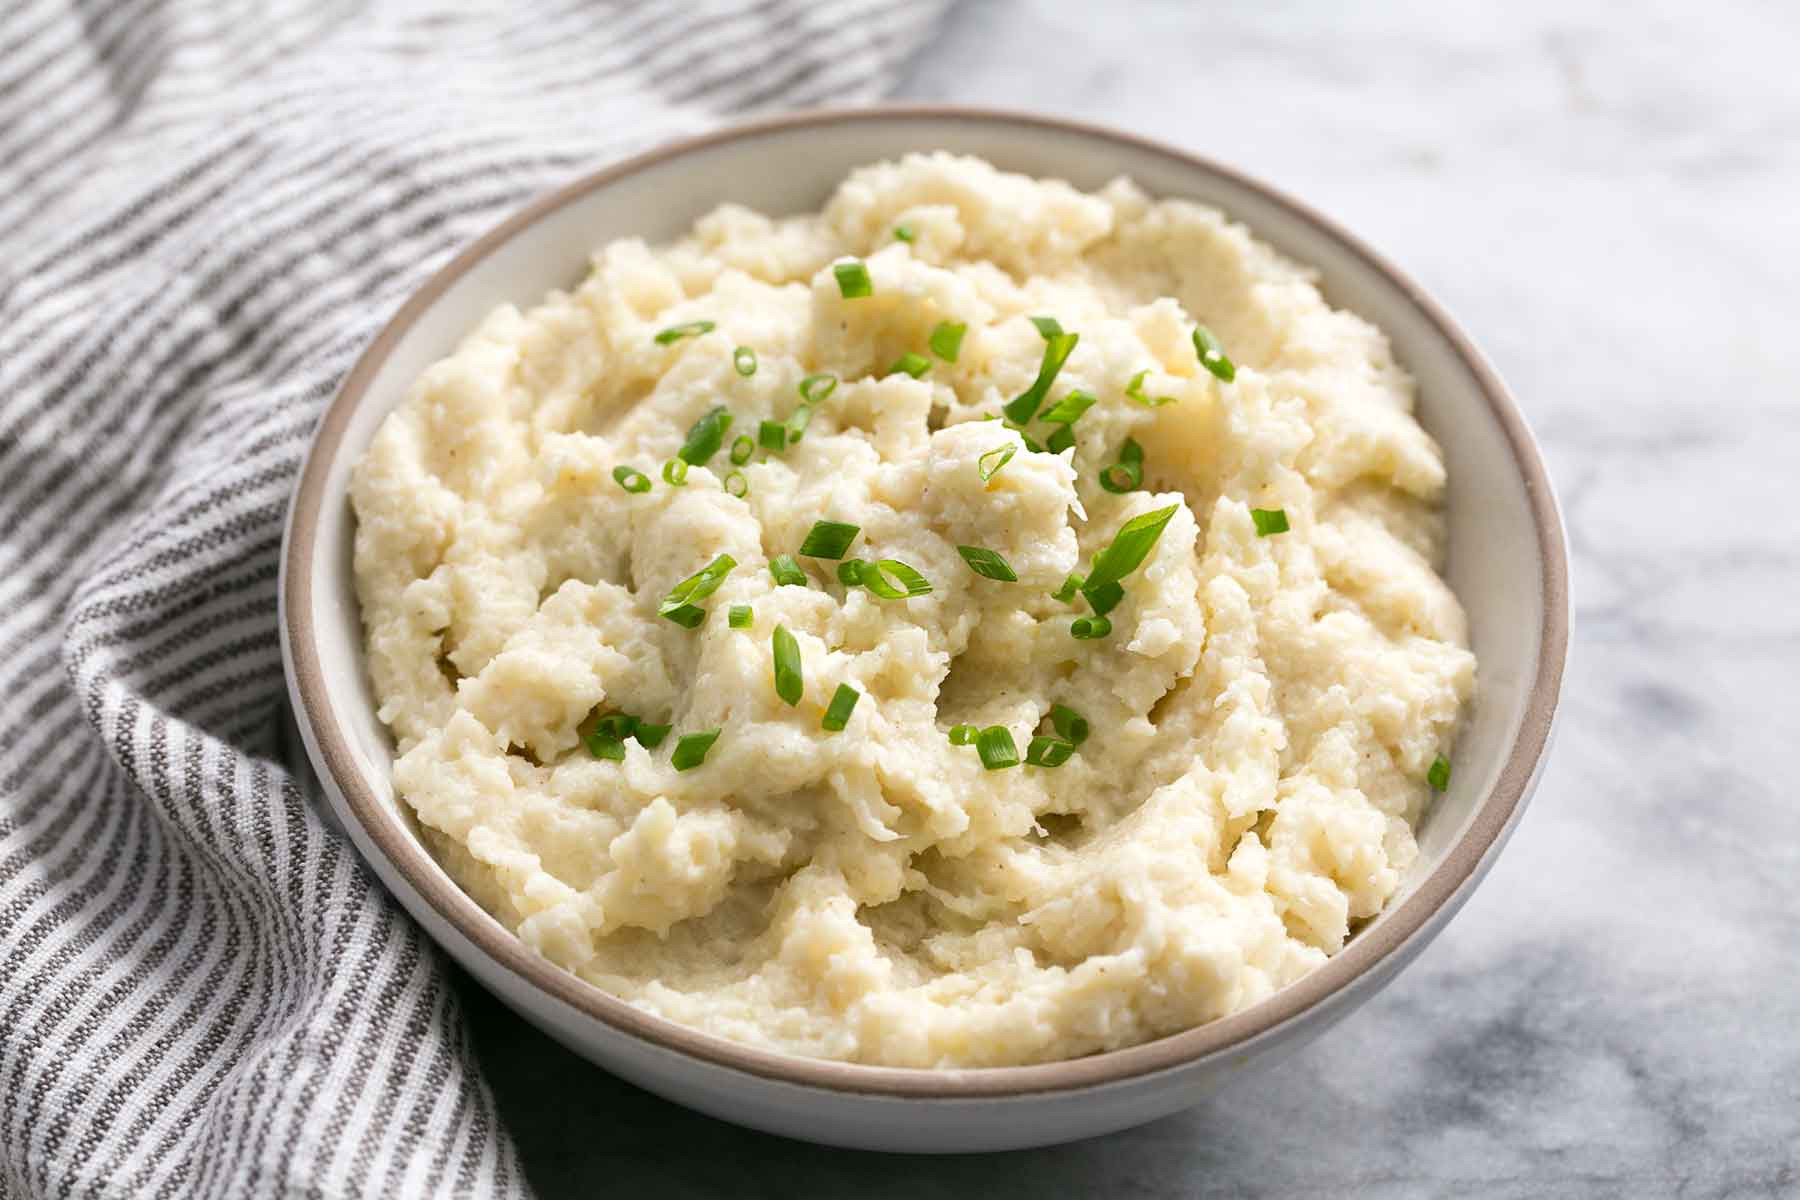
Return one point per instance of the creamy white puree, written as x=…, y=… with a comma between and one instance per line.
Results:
x=1264, y=713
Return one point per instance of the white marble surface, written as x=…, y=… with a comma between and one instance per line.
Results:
x=1609, y=198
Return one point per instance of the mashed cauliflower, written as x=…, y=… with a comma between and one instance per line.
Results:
x=1263, y=714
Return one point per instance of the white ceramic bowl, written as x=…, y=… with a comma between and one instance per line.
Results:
x=1507, y=563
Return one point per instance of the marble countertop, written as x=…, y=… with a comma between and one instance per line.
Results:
x=1609, y=199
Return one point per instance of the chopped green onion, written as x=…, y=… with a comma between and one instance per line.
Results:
x=1104, y=598
x=632, y=479
x=1135, y=391
x=617, y=726
x=1070, y=407
x=1128, y=473
x=989, y=464
x=772, y=435
x=1439, y=774
x=1130, y=546
x=788, y=683
x=852, y=279
x=602, y=746
x=739, y=616
x=691, y=750
x=675, y=472
x=705, y=437
x=837, y=713
x=910, y=364
x=797, y=422
x=1031, y=443
x=785, y=570
x=1212, y=354
x=850, y=572
x=651, y=736
x=1069, y=587
x=742, y=449
x=675, y=333
x=816, y=389
x=1060, y=439
x=963, y=735
x=903, y=233
x=1087, y=629
x=736, y=484
x=987, y=564
x=996, y=747
x=1269, y=520
x=946, y=340
x=1070, y=725
x=744, y=360
x=1049, y=327
x=1048, y=752
x=679, y=607
x=829, y=539
x=906, y=581
x=1057, y=349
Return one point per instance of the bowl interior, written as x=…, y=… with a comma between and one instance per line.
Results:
x=1497, y=555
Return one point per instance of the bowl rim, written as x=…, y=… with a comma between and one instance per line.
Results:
x=1462, y=863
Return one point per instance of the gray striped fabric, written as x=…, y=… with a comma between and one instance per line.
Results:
x=206, y=209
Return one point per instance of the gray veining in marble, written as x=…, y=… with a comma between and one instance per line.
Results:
x=1609, y=198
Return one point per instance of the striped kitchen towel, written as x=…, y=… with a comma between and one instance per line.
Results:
x=206, y=210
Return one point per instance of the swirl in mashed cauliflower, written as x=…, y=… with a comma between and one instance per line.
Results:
x=1263, y=714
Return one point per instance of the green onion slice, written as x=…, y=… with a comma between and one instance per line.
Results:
x=736, y=484
x=1048, y=752
x=742, y=449
x=705, y=437
x=785, y=571
x=1439, y=774
x=963, y=735
x=1060, y=439
x=617, y=726
x=852, y=279
x=1070, y=725
x=816, y=389
x=744, y=360
x=675, y=333
x=1212, y=354
x=910, y=364
x=601, y=746
x=837, y=713
x=1087, y=629
x=989, y=464
x=1049, y=327
x=797, y=422
x=1069, y=587
x=903, y=233
x=772, y=435
x=1057, y=349
x=788, y=682
x=1127, y=474
x=691, y=750
x=739, y=616
x=1135, y=391
x=1104, y=598
x=1269, y=520
x=829, y=539
x=675, y=472
x=679, y=605
x=651, y=736
x=987, y=564
x=946, y=339
x=996, y=747
x=905, y=583
x=632, y=479
x=850, y=571
x=1130, y=546
x=1070, y=407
